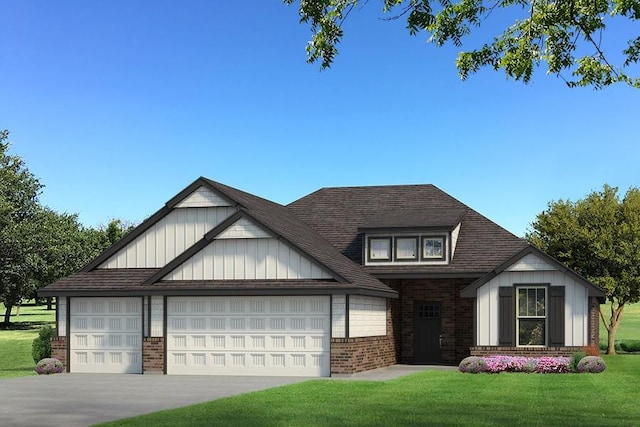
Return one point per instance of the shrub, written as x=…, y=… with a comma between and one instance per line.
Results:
x=575, y=359
x=49, y=366
x=630, y=346
x=591, y=364
x=473, y=365
x=550, y=365
x=41, y=347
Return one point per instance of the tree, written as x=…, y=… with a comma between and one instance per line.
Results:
x=599, y=237
x=568, y=35
x=19, y=191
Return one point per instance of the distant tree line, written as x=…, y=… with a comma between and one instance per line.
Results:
x=38, y=245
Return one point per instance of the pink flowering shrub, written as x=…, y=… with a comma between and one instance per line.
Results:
x=591, y=364
x=49, y=365
x=496, y=364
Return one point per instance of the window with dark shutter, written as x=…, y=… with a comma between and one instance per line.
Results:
x=556, y=316
x=506, y=317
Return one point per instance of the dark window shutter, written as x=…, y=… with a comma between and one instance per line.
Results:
x=506, y=317
x=556, y=316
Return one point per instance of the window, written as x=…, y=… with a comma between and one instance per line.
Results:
x=531, y=312
x=433, y=247
x=406, y=248
x=380, y=249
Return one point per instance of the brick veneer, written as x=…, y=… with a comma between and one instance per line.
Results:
x=524, y=351
x=351, y=355
x=457, y=315
x=153, y=355
x=59, y=350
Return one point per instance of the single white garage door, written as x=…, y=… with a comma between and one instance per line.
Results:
x=106, y=335
x=248, y=335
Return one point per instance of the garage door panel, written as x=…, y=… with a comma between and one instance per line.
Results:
x=248, y=335
x=106, y=335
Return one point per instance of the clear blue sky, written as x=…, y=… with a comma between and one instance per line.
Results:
x=117, y=105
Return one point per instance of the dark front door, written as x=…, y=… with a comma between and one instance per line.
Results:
x=427, y=333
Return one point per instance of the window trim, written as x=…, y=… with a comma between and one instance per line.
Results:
x=516, y=308
x=443, y=240
x=416, y=242
x=370, y=257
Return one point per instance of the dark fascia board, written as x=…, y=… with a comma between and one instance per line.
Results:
x=153, y=219
x=281, y=291
x=435, y=275
x=470, y=291
x=419, y=230
x=195, y=248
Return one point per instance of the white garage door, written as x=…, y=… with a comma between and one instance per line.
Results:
x=248, y=335
x=106, y=335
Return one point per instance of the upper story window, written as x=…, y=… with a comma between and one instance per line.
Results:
x=426, y=248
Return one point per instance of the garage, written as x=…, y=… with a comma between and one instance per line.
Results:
x=259, y=335
x=106, y=335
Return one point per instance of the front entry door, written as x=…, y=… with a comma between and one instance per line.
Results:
x=427, y=333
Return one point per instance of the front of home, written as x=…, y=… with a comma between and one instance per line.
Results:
x=222, y=282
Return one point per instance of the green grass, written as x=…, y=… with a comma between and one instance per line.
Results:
x=443, y=398
x=629, y=327
x=15, y=343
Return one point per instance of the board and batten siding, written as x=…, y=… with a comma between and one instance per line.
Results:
x=532, y=270
x=61, y=316
x=248, y=259
x=338, y=316
x=168, y=238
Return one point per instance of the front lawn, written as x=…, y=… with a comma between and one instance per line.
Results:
x=443, y=398
x=15, y=343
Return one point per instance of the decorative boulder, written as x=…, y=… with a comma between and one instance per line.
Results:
x=591, y=364
x=49, y=365
x=473, y=365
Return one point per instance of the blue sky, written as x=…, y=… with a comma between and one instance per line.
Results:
x=118, y=105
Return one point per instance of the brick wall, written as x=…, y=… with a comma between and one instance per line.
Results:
x=594, y=321
x=351, y=355
x=524, y=351
x=456, y=316
x=59, y=350
x=153, y=355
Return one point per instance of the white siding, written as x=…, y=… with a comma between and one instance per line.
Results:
x=338, y=316
x=244, y=229
x=168, y=238
x=246, y=259
x=367, y=316
x=202, y=198
x=454, y=239
x=576, y=304
x=157, y=316
x=531, y=262
x=61, y=308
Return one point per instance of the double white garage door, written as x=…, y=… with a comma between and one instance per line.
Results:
x=206, y=335
x=248, y=335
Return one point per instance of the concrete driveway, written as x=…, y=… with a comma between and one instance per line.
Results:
x=85, y=399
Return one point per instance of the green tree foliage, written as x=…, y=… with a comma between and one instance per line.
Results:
x=599, y=237
x=568, y=35
x=41, y=346
x=37, y=245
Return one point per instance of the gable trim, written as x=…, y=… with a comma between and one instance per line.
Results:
x=593, y=290
x=153, y=219
x=194, y=249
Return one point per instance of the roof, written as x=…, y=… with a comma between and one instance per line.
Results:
x=272, y=216
x=593, y=290
x=342, y=214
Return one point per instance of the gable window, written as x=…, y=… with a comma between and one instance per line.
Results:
x=380, y=249
x=531, y=309
x=433, y=247
x=406, y=248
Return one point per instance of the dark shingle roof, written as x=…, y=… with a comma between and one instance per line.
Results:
x=340, y=214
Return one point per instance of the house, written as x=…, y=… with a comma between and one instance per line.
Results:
x=222, y=282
